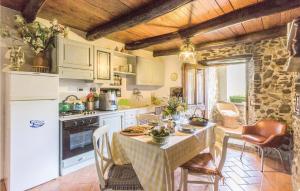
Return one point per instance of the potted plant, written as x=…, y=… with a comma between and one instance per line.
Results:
x=160, y=135
x=174, y=107
x=90, y=101
x=39, y=38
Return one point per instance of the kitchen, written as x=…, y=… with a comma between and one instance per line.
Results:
x=90, y=82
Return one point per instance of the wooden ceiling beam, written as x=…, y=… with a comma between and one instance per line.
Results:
x=31, y=9
x=265, y=8
x=251, y=37
x=144, y=14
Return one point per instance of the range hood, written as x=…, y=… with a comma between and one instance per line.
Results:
x=293, y=45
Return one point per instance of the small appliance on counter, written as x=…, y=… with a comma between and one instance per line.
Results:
x=108, y=99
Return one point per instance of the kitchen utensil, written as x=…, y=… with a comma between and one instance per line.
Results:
x=64, y=107
x=78, y=106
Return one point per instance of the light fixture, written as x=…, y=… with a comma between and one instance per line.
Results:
x=187, y=52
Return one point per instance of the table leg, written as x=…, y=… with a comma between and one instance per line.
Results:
x=173, y=180
x=211, y=142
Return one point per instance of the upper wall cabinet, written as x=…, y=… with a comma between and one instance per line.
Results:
x=149, y=73
x=102, y=65
x=74, y=59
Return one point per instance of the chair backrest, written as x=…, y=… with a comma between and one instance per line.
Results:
x=226, y=106
x=268, y=127
x=146, y=118
x=221, y=150
x=102, y=152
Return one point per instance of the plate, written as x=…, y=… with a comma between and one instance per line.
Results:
x=187, y=129
x=143, y=128
x=132, y=134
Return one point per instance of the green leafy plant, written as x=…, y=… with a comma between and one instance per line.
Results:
x=39, y=37
x=237, y=99
x=174, y=106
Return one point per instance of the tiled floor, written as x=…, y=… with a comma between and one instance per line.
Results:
x=239, y=176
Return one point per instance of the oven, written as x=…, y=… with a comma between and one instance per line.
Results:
x=76, y=144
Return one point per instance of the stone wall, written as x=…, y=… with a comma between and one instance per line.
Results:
x=296, y=160
x=270, y=88
x=273, y=88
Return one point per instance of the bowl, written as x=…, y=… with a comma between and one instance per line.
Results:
x=160, y=140
x=198, y=121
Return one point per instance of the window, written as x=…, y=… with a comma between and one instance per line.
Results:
x=194, y=89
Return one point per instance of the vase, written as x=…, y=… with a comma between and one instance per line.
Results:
x=175, y=117
x=90, y=105
x=40, y=63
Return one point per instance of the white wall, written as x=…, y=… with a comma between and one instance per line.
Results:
x=169, y=63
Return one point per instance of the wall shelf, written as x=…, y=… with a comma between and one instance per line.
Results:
x=125, y=73
x=122, y=54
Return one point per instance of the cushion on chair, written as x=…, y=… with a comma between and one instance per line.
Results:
x=254, y=138
x=202, y=163
x=123, y=177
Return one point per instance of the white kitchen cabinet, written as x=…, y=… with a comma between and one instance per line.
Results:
x=130, y=118
x=102, y=65
x=149, y=72
x=75, y=54
x=72, y=59
x=72, y=73
x=115, y=122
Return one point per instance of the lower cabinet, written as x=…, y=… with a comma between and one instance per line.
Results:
x=115, y=122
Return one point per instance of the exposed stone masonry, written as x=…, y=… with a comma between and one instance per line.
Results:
x=270, y=86
x=296, y=160
x=271, y=90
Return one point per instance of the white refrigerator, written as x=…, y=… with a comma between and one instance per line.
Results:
x=31, y=129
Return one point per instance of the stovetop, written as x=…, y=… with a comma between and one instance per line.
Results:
x=76, y=113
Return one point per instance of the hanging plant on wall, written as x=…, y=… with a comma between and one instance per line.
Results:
x=38, y=37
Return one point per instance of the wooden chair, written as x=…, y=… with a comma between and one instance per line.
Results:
x=204, y=164
x=120, y=177
x=146, y=118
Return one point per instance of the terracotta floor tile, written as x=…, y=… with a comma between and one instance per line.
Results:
x=239, y=176
x=232, y=185
x=253, y=180
x=237, y=179
x=239, y=171
x=254, y=173
x=252, y=187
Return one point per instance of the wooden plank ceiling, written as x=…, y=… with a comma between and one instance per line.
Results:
x=87, y=14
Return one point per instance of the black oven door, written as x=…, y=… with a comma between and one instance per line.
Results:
x=77, y=140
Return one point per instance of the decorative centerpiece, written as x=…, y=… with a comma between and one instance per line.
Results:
x=174, y=107
x=160, y=135
x=39, y=38
x=16, y=57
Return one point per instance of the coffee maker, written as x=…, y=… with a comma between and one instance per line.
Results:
x=108, y=100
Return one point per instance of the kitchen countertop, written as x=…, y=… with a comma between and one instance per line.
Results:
x=99, y=113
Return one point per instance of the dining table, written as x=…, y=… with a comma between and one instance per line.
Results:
x=155, y=164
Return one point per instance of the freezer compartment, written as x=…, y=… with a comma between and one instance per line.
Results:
x=31, y=86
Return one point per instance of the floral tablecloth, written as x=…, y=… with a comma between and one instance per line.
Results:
x=154, y=164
